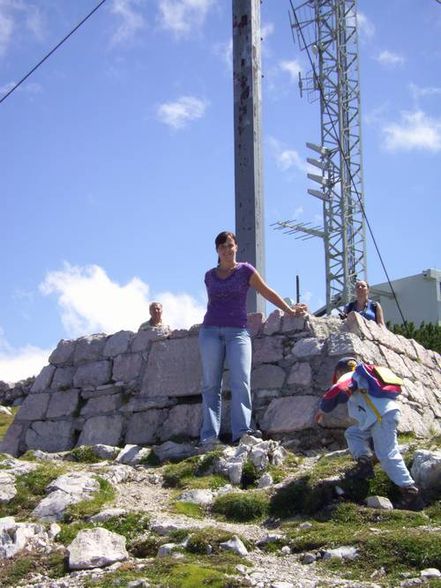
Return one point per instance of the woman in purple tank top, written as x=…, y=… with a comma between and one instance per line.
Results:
x=224, y=335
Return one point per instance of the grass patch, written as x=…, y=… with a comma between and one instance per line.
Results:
x=31, y=489
x=213, y=572
x=87, y=508
x=70, y=530
x=6, y=420
x=189, y=509
x=208, y=540
x=15, y=570
x=84, y=454
x=130, y=525
x=185, y=474
x=301, y=496
x=241, y=506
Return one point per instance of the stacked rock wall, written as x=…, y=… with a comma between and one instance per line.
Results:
x=144, y=388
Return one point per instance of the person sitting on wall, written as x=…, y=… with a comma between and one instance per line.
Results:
x=155, y=321
x=362, y=304
x=371, y=393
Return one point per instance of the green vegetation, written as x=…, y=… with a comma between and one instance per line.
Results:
x=84, y=454
x=189, y=509
x=389, y=539
x=87, y=508
x=184, y=474
x=429, y=335
x=213, y=572
x=242, y=506
x=6, y=420
x=15, y=570
x=31, y=489
x=208, y=540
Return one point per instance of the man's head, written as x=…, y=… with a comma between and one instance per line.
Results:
x=155, y=313
x=344, y=365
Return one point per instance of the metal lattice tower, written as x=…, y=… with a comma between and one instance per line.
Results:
x=327, y=30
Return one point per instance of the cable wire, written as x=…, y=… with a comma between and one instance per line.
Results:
x=3, y=98
x=322, y=95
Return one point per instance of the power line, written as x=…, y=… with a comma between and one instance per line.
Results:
x=52, y=51
x=340, y=146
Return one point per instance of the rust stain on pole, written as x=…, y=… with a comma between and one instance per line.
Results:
x=247, y=138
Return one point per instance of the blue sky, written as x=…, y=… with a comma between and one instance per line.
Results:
x=117, y=159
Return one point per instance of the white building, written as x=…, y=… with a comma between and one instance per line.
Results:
x=418, y=296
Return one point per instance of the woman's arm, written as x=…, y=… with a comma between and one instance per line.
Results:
x=379, y=316
x=269, y=294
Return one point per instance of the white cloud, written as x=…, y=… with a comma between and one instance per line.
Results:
x=292, y=67
x=390, y=59
x=131, y=20
x=184, y=110
x=183, y=17
x=18, y=364
x=90, y=302
x=267, y=30
x=415, y=131
x=285, y=158
x=366, y=28
x=6, y=27
x=225, y=52
x=418, y=92
x=16, y=15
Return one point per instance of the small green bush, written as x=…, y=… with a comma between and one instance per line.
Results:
x=239, y=506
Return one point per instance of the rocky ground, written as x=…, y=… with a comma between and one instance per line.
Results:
x=65, y=514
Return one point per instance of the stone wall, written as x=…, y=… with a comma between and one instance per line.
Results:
x=144, y=388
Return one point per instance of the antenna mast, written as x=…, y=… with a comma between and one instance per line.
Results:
x=327, y=31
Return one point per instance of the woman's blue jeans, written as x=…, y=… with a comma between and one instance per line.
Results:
x=217, y=344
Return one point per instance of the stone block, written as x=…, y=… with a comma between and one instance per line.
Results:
x=293, y=324
x=102, y=405
x=50, y=436
x=344, y=344
x=268, y=349
x=255, y=323
x=183, y=420
x=173, y=368
x=357, y=325
x=103, y=390
x=143, y=427
x=273, y=323
x=92, y=374
x=63, y=404
x=90, y=348
x=106, y=430
x=43, y=380
x=127, y=367
x=321, y=328
x=308, y=347
x=300, y=374
x=412, y=421
x=34, y=407
x=407, y=346
x=338, y=418
x=395, y=362
x=267, y=376
x=141, y=341
x=141, y=403
x=289, y=414
x=63, y=354
x=118, y=343
x=63, y=378
x=13, y=441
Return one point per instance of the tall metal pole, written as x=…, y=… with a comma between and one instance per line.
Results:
x=247, y=77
